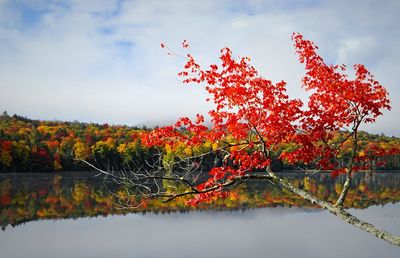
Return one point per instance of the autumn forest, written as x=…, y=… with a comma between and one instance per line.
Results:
x=39, y=146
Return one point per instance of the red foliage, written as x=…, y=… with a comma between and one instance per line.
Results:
x=336, y=102
x=5, y=200
x=6, y=145
x=42, y=192
x=337, y=172
x=260, y=116
x=41, y=159
x=52, y=199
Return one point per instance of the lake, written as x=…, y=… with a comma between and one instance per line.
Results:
x=73, y=215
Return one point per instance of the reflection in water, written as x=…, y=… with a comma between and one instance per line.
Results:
x=26, y=197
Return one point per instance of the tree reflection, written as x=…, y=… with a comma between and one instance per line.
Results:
x=30, y=198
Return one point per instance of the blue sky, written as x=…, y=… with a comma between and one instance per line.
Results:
x=101, y=61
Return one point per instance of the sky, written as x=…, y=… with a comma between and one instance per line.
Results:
x=101, y=61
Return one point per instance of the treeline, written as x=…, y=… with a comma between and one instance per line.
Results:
x=34, y=145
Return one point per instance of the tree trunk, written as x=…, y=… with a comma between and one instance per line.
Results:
x=338, y=211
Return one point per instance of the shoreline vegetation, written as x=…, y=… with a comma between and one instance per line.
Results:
x=28, y=145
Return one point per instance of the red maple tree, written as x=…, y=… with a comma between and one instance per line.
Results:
x=254, y=118
x=260, y=116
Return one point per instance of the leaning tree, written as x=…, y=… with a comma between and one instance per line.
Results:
x=254, y=123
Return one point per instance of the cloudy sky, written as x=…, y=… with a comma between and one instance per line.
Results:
x=101, y=61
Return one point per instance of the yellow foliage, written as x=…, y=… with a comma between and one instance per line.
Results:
x=56, y=165
x=307, y=183
x=338, y=188
x=215, y=146
x=168, y=148
x=188, y=151
x=79, y=192
x=121, y=148
x=5, y=158
x=207, y=144
x=43, y=129
x=362, y=187
x=122, y=194
x=197, y=150
x=80, y=150
x=110, y=142
x=296, y=183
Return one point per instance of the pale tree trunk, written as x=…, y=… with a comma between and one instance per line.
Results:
x=349, y=170
x=338, y=211
x=346, y=187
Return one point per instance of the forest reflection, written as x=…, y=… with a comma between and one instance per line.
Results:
x=29, y=197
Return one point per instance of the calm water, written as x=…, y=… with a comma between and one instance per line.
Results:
x=264, y=232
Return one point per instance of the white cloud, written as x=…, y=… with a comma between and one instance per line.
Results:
x=358, y=49
x=102, y=61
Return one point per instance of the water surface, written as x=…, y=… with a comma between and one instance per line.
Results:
x=280, y=231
